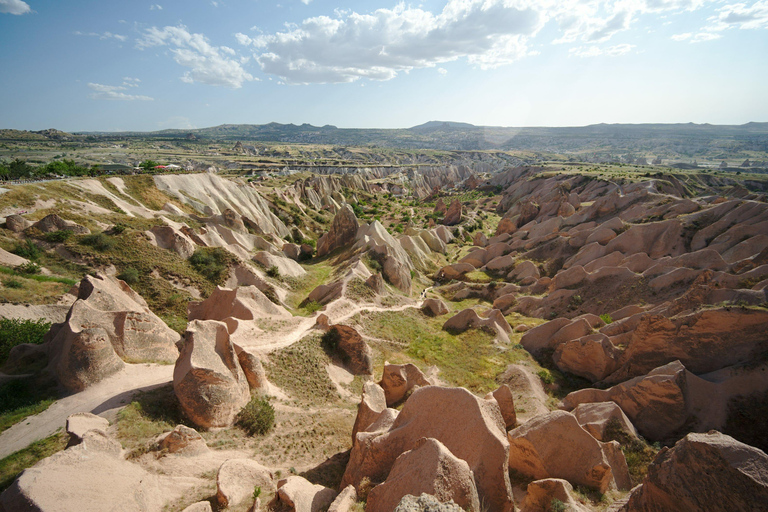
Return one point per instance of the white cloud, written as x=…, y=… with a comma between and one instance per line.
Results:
x=112, y=92
x=379, y=45
x=442, y=71
x=155, y=7
x=596, y=51
x=702, y=37
x=305, y=2
x=741, y=16
x=102, y=35
x=208, y=64
x=130, y=82
x=14, y=7
x=682, y=37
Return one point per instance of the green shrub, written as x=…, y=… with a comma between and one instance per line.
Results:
x=212, y=263
x=545, y=376
x=15, y=331
x=606, y=318
x=273, y=271
x=57, y=236
x=312, y=306
x=28, y=249
x=118, y=229
x=557, y=506
x=130, y=275
x=27, y=268
x=330, y=339
x=99, y=241
x=257, y=417
x=13, y=283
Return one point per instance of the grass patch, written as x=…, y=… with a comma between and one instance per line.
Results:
x=317, y=274
x=358, y=290
x=638, y=453
x=213, y=263
x=12, y=466
x=300, y=371
x=142, y=188
x=470, y=359
x=21, y=398
x=149, y=414
x=15, y=331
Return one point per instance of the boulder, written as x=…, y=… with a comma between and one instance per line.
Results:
x=453, y=215
x=503, y=397
x=207, y=379
x=86, y=479
x=455, y=271
x=592, y=357
x=200, y=506
x=372, y=404
x=342, y=232
x=434, y=307
x=440, y=207
x=17, y=223
x=81, y=422
x=300, y=495
x=480, y=239
x=53, y=222
x=376, y=283
x=170, y=238
x=541, y=493
x=393, y=267
x=555, y=446
x=345, y=501
x=237, y=478
x=183, y=440
x=452, y=416
x=425, y=503
x=252, y=368
x=595, y=418
x=711, y=472
x=355, y=351
x=427, y=468
x=242, y=303
x=469, y=319
x=85, y=357
x=538, y=338
x=291, y=251
x=397, y=380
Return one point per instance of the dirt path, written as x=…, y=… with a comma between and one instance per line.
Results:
x=110, y=394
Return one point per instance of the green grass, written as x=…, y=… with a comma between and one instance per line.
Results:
x=147, y=416
x=15, y=331
x=317, y=273
x=38, y=278
x=300, y=371
x=469, y=359
x=638, y=453
x=12, y=466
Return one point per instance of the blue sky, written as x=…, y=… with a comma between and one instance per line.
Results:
x=95, y=65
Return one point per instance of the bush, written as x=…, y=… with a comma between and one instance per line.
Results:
x=273, y=271
x=606, y=318
x=99, y=241
x=330, y=339
x=27, y=268
x=15, y=331
x=57, y=236
x=130, y=275
x=212, y=263
x=28, y=249
x=312, y=306
x=257, y=417
x=118, y=229
x=13, y=283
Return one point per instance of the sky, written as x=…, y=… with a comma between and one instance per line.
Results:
x=112, y=66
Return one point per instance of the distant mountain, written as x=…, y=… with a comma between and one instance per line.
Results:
x=442, y=125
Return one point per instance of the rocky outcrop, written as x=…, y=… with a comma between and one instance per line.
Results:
x=434, y=307
x=469, y=319
x=453, y=214
x=286, y=267
x=342, y=232
x=300, y=495
x=53, y=222
x=427, y=468
x=506, y=401
x=208, y=380
x=425, y=503
x=451, y=416
x=172, y=239
x=596, y=418
x=108, y=324
x=712, y=472
x=183, y=440
x=80, y=423
x=372, y=403
x=541, y=493
x=355, y=351
x=576, y=456
x=398, y=380
x=17, y=223
x=236, y=480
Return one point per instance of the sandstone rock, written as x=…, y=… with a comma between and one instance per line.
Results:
x=538, y=338
x=576, y=456
x=425, y=503
x=503, y=397
x=595, y=418
x=440, y=207
x=167, y=237
x=712, y=472
x=505, y=302
x=523, y=270
x=427, y=468
x=85, y=480
x=372, y=404
x=81, y=422
x=183, y=440
x=398, y=380
x=94, y=441
x=601, y=235
x=452, y=416
x=593, y=357
x=354, y=348
x=208, y=380
x=85, y=357
x=326, y=293
x=322, y=322
x=345, y=500
x=200, y=506
x=237, y=478
x=434, y=307
x=455, y=271
x=541, y=493
x=243, y=303
x=453, y=215
x=480, y=239
x=393, y=268
x=291, y=251
x=302, y=496
x=528, y=211
x=469, y=319
x=17, y=223
x=376, y=283
x=53, y=222
x=342, y=232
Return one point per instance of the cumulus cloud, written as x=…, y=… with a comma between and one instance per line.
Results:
x=596, y=51
x=212, y=65
x=155, y=7
x=741, y=16
x=102, y=35
x=14, y=7
x=379, y=45
x=113, y=92
x=682, y=37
